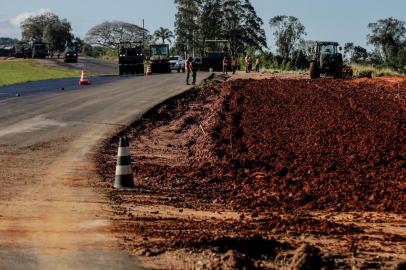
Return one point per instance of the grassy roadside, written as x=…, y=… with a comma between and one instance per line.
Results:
x=22, y=71
x=371, y=71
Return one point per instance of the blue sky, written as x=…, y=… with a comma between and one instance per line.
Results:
x=342, y=20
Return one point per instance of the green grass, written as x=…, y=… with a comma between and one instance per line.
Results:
x=371, y=71
x=21, y=71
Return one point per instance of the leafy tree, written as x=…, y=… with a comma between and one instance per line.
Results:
x=164, y=34
x=375, y=57
x=308, y=47
x=57, y=34
x=233, y=20
x=359, y=55
x=388, y=35
x=186, y=24
x=49, y=28
x=288, y=32
x=209, y=21
x=232, y=29
x=348, y=50
x=254, y=35
x=109, y=34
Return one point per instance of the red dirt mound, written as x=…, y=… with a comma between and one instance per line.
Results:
x=308, y=144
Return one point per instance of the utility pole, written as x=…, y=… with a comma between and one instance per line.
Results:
x=143, y=31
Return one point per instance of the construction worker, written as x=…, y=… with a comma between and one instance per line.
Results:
x=194, y=71
x=225, y=64
x=188, y=69
x=257, y=64
x=234, y=64
x=246, y=63
x=249, y=64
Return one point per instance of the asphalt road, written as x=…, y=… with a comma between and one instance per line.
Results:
x=51, y=86
x=93, y=65
x=50, y=216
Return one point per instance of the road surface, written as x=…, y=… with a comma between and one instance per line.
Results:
x=51, y=86
x=50, y=216
x=93, y=65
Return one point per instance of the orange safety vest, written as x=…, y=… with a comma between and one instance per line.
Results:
x=234, y=61
x=188, y=65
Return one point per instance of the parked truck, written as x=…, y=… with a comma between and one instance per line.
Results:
x=159, y=58
x=71, y=54
x=130, y=58
x=214, y=53
x=23, y=50
x=40, y=50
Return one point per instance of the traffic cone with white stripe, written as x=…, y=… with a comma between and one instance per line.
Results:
x=124, y=172
x=84, y=78
x=149, y=70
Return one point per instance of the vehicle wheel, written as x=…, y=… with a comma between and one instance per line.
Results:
x=314, y=70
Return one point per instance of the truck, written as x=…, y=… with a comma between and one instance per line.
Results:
x=130, y=58
x=328, y=61
x=39, y=50
x=71, y=54
x=159, y=58
x=214, y=52
x=23, y=50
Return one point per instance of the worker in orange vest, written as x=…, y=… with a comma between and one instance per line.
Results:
x=257, y=64
x=234, y=64
x=225, y=64
x=188, y=69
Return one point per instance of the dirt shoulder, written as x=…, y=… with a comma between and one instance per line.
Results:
x=242, y=173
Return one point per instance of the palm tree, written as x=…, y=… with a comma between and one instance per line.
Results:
x=164, y=34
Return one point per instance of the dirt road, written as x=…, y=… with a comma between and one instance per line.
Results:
x=50, y=215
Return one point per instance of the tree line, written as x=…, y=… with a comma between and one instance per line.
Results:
x=237, y=21
x=197, y=21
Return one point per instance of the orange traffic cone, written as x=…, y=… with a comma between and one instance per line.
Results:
x=149, y=70
x=84, y=78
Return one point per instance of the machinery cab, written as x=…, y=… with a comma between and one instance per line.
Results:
x=328, y=55
x=130, y=58
x=328, y=60
x=40, y=50
x=214, y=53
x=159, y=58
x=71, y=54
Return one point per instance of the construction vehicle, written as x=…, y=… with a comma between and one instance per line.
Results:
x=23, y=50
x=214, y=52
x=130, y=58
x=328, y=61
x=159, y=58
x=39, y=50
x=71, y=54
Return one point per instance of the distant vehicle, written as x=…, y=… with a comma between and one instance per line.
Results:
x=7, y=51
x=71, y=54
x=214, y=53
x=23, y=50
x=177, y=63
x=40, y=50
x=130, y=58
x=329, y=61
x=159, y=58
